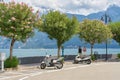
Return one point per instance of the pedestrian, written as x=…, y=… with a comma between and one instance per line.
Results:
x=80, y=51
x=84, y=51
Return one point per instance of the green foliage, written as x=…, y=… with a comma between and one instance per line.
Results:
x=118, y=55
x=93, y=58
x=115, y=28
x=61, y=59
x=94, y=31
x=58, y=26
x=17, y=22
x=11, y=63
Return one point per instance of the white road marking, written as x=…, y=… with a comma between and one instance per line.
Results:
x=3, y=78
x=99, y=63
x=35, y=73
x=53, y=70
x=22, y=74
x=24, y=78
x=84, y=66
x=70, y=68
x=17, y=73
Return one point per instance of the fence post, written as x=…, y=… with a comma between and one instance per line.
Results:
x=2, y=58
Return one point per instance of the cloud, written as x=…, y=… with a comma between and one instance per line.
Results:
x=71, y=6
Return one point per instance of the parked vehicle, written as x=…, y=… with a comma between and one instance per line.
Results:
x=49, y=62
x=86, y=60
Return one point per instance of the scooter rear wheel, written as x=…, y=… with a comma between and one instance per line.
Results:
x=42, y=66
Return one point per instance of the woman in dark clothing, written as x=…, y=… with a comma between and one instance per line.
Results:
x=80, y=51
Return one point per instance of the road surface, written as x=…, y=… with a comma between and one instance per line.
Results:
x=94, y=71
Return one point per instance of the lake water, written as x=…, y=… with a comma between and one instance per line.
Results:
x=43, y=52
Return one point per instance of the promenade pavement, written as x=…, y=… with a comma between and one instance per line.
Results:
x=94, y=71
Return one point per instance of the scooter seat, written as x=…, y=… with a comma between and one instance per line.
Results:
x=82, y=57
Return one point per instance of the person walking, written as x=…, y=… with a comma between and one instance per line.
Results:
x=84, y=51
x=80, y=51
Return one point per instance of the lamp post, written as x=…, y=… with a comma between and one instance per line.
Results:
x=106, y=18
x=62, y=51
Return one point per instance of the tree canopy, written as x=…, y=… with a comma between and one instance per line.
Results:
x=115, y=28
x=17, y=22
x=94, y=31
x=58, y=26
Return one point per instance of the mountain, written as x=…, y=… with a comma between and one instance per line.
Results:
x=41, y=40
x=113, y=11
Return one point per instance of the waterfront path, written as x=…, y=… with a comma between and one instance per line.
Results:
x=94, y=71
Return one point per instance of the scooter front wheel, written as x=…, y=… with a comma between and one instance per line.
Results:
x=42, y=66
x=88, y=61
x=59, y=65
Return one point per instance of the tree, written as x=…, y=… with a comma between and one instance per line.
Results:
x=94, y=31
x=17, y=22
x=58, y=26
x=115, y=28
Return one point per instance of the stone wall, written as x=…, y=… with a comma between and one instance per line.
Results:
x=30, y=60
x=39, y=59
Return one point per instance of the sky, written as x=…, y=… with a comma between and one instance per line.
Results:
x=83, y=7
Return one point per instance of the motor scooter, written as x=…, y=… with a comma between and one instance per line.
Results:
x=79, y=59
x=50, y=62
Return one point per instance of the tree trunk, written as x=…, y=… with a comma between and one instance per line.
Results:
x=11, y=47
x=59, y=51
x=91, y=49
x=59, y=47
